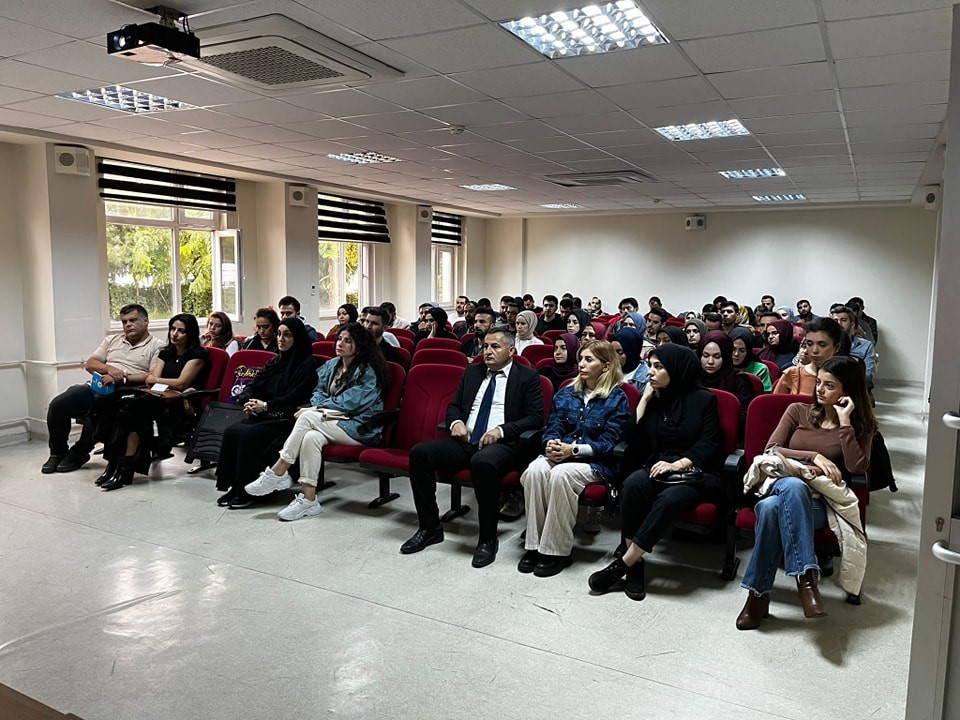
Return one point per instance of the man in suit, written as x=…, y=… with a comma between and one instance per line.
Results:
x=495, y=402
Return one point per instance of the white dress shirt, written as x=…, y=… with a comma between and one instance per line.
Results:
x=497, y=408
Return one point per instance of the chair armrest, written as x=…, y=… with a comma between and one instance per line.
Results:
x=859, y=482
x=384, y=417
x=191, y=392
x=531, y=438
x=620, y=450
x=733, y=462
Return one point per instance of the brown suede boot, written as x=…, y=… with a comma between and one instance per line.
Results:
x=810, y=595
x=755, y=609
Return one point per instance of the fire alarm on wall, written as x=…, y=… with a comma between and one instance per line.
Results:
x=695, y=222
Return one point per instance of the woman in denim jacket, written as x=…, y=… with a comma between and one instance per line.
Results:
x=587, y=420
x=349, y=392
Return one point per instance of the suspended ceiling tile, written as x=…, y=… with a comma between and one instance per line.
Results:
x=66, y=109
x=209, y=119
x=896, y=132
x=683, y=114
x=380, y=19
x=327, y=128
x=489, y=112
x=41, y=80
x=537, y=78
x=892, y=146
x=766, y=48
x=424, y=92
x=268, y=134
x=578, y=102
x=810, y=137
x=547, y=144
x=10, y=95
x=639, y=136
x=217, y=140
x=685, y=19
x=897, y=116
x=88, y=131
x=794, y=123
x=890, y=34
x=655, y=62
x=474, y=48
x=893, y=96
x=195, y=90
x=343, y=103
x=846, y=9
x=514, y=130
x=18, y=38
x=595, y=123
x=272, y=112
x=92, y=57
x=396, y=122
x=806, y=77
x=800, y=103
x=681, y=91
x=886, y=70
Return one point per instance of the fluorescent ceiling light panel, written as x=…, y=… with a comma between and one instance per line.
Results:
x=588, y=30
x=757, y=174
x=118, y=97
x=562, y=206
x=367, y=158
x=703, y=131
x=488, y=187
x=779, y=198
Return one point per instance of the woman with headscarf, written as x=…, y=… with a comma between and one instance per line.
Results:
x=628, y=344
x=577, y=320
x=716, y=360
x=269, y=403
x=786, y=313
x=346, y=313
x=778, y=344
x=744, y=360
x=671, y=334
x=694, y=329
x=678, y=448
x=564, y=365
x=639, y=322
x=435, y=326
x=526, y=322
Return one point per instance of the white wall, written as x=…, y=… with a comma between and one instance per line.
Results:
x=882, y=254
x=13, y=409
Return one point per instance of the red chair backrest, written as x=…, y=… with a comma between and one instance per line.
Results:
x=544, y=363
x=468, y=337
x=546, y=387
x=675, y=322
x=240, y=339
x=426, y=394
x=535, y=353
x=439, y=356
x=241, y=369
x=519, y=359
x=756, y=383
x=218, y=365
x=728, y=408
x=774, y=370
x=325, y=347
x=321, y=359
x=763, y=416
x=397, y=375
x=552, y=335
x=633, y=395
x=332, y=335
x=401, y=332
x=437, y=343
x=406, y=343
x=405, y=356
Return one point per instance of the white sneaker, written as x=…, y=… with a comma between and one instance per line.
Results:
x=269, y=482
x=300, y=508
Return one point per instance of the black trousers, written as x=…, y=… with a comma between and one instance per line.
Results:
x=246, y=449
x=78, y=401
x=649, y=508
x=486, y=466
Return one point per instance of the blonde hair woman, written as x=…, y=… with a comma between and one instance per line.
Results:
x=587, y=420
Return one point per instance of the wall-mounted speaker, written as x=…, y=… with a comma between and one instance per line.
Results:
x=695, y=222
x=71, y=160
x=424, y=214
x=931, y=197
x=297, y=195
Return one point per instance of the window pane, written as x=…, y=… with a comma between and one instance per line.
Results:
x=445, y=278
x=228, y=275
x=329, y=285
x=140, y=263
x=196, y=272
x=351, y=259
x=191, y=214
x=133, y=210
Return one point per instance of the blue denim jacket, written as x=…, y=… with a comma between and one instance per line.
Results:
x=601, y=424
x=361, y=399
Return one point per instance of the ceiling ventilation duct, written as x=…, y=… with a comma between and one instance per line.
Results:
x=273, y=55
x=601, y=179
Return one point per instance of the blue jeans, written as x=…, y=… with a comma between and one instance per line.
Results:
x=786, y=521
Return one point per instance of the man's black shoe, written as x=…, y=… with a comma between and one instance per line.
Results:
x=529, y=561
x=551, y=565
x=73, y=461
x=485, y=553
x=421, y=539
x=51, y=465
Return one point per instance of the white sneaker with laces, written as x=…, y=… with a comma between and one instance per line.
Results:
x=300, y=508
x=269, y=482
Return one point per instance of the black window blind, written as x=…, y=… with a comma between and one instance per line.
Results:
x=346, y=219
x=447, y=229
x=132, y=183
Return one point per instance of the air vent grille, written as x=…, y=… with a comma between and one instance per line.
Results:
x=271, y=65
x=601, y=179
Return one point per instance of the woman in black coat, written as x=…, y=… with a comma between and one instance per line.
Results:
x=269, y=402
x=678, y=448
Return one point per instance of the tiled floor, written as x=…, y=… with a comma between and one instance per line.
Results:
x=152, y=602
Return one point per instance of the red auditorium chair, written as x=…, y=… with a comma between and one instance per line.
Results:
x=405, y=357
x=535, y=353
x=437, y=343
x=325, y=347
x=402, y=333
x=406, y=343
x=439, y=356
x=516, y=358
x=774, y=370
x=552, y=335
x=426, y=394
x=597, y=494
x=756, y=383
x=351, y=453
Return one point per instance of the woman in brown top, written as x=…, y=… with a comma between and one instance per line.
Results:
x=833, y=435
x=821, y=341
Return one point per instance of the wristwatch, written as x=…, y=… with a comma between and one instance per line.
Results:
x=576, y=450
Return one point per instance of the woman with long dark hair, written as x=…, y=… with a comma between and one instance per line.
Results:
x=349, y=393
x=830, y=438
x=678, y=447
x=269, y=403
x=266, y=322
x=180, y=366
x=219, y=333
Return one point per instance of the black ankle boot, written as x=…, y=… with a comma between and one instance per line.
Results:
x=603, y=580
x=123, y=476
x=634, y=587
x=109, y=473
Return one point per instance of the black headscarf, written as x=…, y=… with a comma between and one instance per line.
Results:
x=677, y=335
x=725, y=379
x=631, y=341
x=285, y=364
x=583, y=317
x=352, y=311
x=683, y=367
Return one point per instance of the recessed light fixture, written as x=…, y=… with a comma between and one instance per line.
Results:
x=756, y=174
x=703, y=131
x=118, y=97
x=367, y=158
x=588, y=30
x=779, y=198
x=562, y=206
x=487, y=187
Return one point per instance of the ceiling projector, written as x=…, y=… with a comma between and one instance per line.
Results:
x=155, y=43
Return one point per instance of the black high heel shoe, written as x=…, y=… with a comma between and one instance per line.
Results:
x=123, y=476
x=108, y=474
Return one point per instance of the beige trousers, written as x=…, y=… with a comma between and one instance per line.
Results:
x=552, y=492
